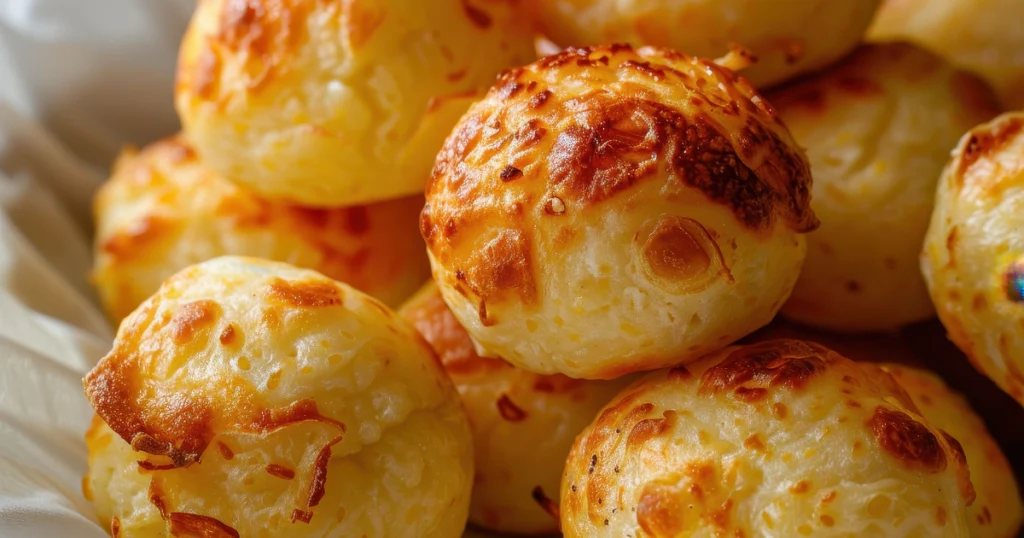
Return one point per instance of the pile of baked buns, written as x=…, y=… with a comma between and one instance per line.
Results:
x=416, y=265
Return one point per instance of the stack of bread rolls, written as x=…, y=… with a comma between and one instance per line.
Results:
x=607, y=209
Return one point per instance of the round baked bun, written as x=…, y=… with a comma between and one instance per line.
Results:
x=607, y=210
x=780, y=439
x=788, y=38
x=984, y=36
x=997, y=511
x=877, y=129
x=523, y=424
x=263, y=400
x=973, y=256
x=337, y=103
x=163, y=210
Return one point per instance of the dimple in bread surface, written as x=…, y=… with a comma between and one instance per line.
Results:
x=163, y=209
x=779, y=438
x=271, y=399
x=523, y=423
x=877, y=128
x=604, y=210
x=973, y=258
x=337, y=103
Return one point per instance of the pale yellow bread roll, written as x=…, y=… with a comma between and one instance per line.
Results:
x=776, y=439
x=789, y=37
x=163, y=210
x=984, y=36
x=250, y=398
x=523, y=423
x=973, y=258
x=609, y=210
x=878, y=128
x=341, y=102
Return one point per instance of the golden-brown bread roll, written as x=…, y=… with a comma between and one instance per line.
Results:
x=523, y=424
x=997, y=511
x=264, y=400
x=777, y=439
x=163, y=210
x=788, y=38
x=973, y=258
x=984, y=36
x=608, y=210
x=877, y=129
x=342, y=102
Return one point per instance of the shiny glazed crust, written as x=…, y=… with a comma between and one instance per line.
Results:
x=606, y=210
x=256, y=399
x=777, y=439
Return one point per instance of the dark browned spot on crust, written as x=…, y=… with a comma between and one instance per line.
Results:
x=678, y=373
x=660, y=510
x=963, y=475
x=191, y=318
x=196, y=526
x=227, y=335
x=137, y=239
x=264, y=34
x=115, y=527
x=502, y=265
x=509, y=410
x=985, y=141
x=305, y=294
x=754, y=442
x=477, y=16
x=280, y=471
x=511, y=173
x=679, y=255
x=951, y=241
x=800, y=487
x=750, y=371
x=545, y=502
x=909, y=441
x=651, y=428
x=780, y=411
x=540, y=98
x=829, y=497
x=225, y=450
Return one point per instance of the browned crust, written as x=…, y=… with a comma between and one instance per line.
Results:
x=906, y=439
x=750, y=372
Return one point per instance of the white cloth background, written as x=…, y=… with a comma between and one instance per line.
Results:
x=78, y=79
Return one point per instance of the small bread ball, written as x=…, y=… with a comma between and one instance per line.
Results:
x=788, y=38
x=984, y=36
x=973, y=258
x=163, y=210
x=523, y=423
x=608, y=210
x=777, y=439
x=251, y=398
x=342, y=102
x=877, y=128
x=997, y=511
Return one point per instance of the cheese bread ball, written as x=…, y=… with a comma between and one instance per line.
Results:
x=607, y=210
x=777, y=439
x=163, y=210
x=341, y=102
x=523, y=423
x=997, y=511
x=877, y=129
x=984, y=36
x=973, y=256
x=251, y=398
x=788, y=38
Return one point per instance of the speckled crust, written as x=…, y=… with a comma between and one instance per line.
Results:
x=342, y=102
x=973, y=258
x=263, y=400
x=984, y=36
x=997, y=511
x=877, y=129
x=777, y=439
x=607, y=210
x=163, y=210
x=523, y=423
x=788, y=38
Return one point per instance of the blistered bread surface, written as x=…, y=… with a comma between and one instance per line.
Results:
x=877, y=128
x=251, y=398
x=163, y=210
x=777, y=439
x=973, y=258
x=341, y=102
x=606, y=210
